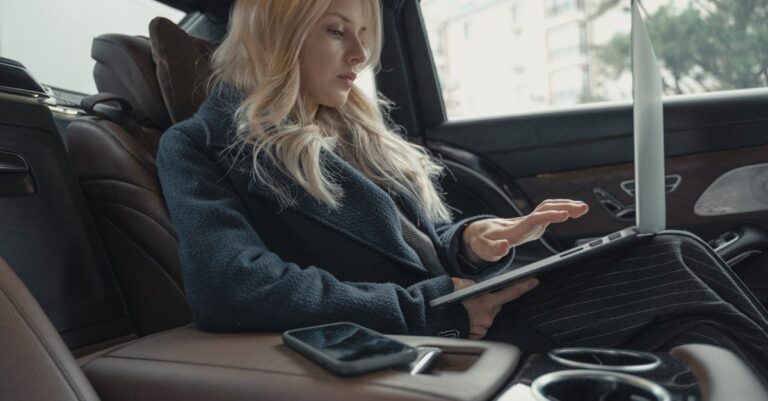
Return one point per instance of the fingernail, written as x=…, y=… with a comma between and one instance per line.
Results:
x=534, y=282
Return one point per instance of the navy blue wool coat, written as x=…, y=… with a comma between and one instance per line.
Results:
x=250, y=266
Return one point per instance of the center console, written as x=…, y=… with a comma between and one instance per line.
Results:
x=188, y=364
x=603, y=374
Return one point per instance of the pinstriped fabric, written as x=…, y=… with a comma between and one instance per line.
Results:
x=665, y=292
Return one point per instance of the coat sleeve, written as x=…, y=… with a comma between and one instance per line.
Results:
x=450, y=235
x=234, y=283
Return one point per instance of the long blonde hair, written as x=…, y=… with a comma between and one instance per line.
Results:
x=260, y=57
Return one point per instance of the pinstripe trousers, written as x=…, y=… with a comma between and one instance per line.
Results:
x=664, y=292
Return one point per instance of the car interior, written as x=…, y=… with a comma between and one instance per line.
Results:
x=92, y=302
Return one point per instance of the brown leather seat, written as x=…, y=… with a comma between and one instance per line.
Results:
x=36, y=365
x=115, y=165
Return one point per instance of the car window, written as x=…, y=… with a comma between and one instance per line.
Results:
x=500, y=57
x=52, y=38
x=365, y=81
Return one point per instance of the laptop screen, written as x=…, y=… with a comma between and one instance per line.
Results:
x=648, y=130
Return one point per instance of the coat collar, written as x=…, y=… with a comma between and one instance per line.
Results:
x=368, y=214
x=216, y=114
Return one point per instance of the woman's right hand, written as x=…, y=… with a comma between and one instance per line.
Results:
x=482, y=309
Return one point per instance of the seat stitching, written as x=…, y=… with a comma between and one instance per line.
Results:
x=112, y=138
x=133, y=207
x=162, y=268
x=56, y=360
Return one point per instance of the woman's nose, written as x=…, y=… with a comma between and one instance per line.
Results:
x=357, y=53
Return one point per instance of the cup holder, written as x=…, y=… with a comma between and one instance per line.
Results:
x=605, y=358
x=592, y=385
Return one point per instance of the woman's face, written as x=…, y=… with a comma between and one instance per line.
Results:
x=333, y=54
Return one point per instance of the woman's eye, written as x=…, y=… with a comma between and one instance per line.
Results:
x=335, y=32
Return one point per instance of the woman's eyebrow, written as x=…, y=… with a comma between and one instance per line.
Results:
x=343, y=17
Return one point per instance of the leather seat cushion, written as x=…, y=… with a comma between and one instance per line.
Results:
x=36, y=365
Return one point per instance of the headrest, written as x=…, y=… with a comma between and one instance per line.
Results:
x=183, y=67
x=124, y=66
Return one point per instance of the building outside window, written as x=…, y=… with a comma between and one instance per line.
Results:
x=557, y=7
x=569, y=85
x=530, y=55
x=567, y=40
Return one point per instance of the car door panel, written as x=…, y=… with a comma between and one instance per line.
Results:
x=696, y=172
x=569, y=154
x=601, y=134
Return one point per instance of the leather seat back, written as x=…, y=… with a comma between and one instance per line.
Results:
x=164, y=82
x=47, y=232
x=124, y=66
x=119, y=178
x=35, y=364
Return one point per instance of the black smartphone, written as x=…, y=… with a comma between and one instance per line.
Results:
x=347, y=349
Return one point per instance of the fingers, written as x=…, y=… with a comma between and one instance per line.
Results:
x=543, y=218
x=482, y=320
x=491, y=250
x=575, y=209
x=477, y=333
x=546, y=201
x=482, y=310
x=530, y=227
x=461, y=283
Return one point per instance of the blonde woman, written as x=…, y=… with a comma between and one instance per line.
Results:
x=296, y=204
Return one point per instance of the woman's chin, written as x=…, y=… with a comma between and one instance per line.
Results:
x=336, y=102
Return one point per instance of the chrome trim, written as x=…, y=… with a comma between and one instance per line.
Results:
x=676, y=180
x=730, y=242
x=742, y=256
x=13, y=163
x=538, y=386
x=628, y=186
x=559, y=355
x=426, y=360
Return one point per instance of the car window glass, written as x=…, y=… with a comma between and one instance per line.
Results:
x=500, y=57
x=52, y=38
x=365, y=81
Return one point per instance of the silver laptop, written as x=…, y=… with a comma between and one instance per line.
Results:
x=650, y=205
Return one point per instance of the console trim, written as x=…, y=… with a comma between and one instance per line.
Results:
x=538, y=385
x=558, y=355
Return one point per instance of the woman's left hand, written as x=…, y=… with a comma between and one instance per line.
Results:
x=489, y=240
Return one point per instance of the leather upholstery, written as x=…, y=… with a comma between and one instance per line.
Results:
x=118, y=172
x=183, y=67
x=34, y=362
x=124, y=66
x=119, y=179
x=195, y=365
x=118, y=175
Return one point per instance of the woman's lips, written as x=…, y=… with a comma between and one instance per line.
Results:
x=349, y=80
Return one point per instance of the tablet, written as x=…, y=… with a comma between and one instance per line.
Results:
x=596, y=247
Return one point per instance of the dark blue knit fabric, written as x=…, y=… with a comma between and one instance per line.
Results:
x=250, y=266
